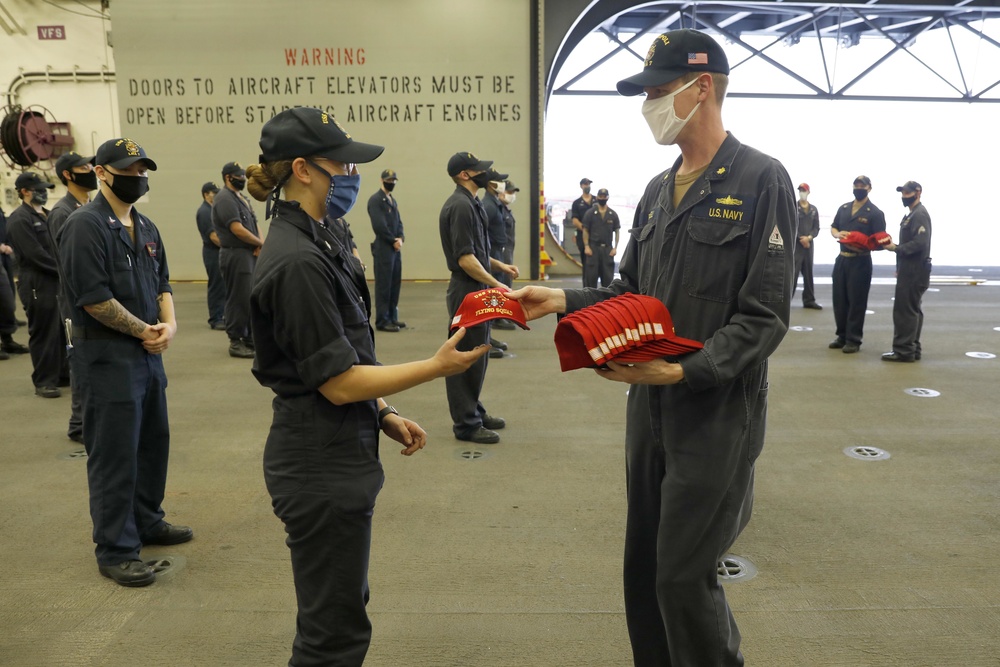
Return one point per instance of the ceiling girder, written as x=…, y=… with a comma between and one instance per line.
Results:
x=790, y=23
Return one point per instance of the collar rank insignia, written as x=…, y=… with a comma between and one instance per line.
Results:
x=720, y=171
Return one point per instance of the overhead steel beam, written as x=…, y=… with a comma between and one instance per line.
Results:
x=791, y=23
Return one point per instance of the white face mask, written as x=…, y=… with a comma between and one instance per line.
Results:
x=499, y=185
x=662, y=119
x=803, y=195
x=509, y=198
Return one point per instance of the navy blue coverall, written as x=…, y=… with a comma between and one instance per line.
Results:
x=388, y=226
x=38, y=287
x=462, y=226
x=913, y=277
x=125, y=427
x=210, y=258
x=309, y=307
x=236, y=260
x=852, y=271
x=57, y=223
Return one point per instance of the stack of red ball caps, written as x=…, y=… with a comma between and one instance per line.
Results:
x=626, y=329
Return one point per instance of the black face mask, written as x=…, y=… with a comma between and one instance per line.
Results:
x=602, y=202
x=389, y=185
x=87, y=181
x=586, y=189
x=238, y=183
x=129, y=188
x=482, y=180
x=860, y=193
x=908, y=201
x=40, y=197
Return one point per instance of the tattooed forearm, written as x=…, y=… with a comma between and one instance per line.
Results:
x=112, y=314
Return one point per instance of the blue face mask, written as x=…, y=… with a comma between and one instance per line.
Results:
x=342, y=194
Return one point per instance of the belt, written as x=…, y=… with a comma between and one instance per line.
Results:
x=849, y=254
x=602, y=245
x=90, y=333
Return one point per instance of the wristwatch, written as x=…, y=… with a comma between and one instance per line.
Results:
x=387, y=410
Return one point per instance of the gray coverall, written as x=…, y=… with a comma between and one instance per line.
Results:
x=722, y=263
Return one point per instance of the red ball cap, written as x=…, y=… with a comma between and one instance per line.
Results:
x=485, y=305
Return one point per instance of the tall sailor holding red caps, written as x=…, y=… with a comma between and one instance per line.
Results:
x=913, y=275
x=852, y=270
x=309, y=311
x=711, y=240
x=116, y=279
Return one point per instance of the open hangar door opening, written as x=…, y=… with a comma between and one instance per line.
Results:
x=895, y=91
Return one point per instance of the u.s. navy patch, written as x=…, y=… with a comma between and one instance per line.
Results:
x=734, y=208
x=775, y=242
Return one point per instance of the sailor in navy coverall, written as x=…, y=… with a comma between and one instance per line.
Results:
x=117, y=281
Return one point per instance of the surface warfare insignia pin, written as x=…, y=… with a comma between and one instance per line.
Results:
x=729, y=200
x=493, y=300
x=775, y=242
x=151, y=249
x=131, y=147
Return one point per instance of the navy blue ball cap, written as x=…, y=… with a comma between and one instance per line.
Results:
x=121, y=154
x=496, y=175
x=672, y=55
x=233, y=169
x=466, y=161
x=29, y=180
x=67, y=161
x=308, y=132
x=209, y=187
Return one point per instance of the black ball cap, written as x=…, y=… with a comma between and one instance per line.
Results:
x=307, y=132
x=67, y=161
x=29, y=180
x=863, y=180
x=122, y=154
x=209, y=187
x=672, y=55
x=910, y=186
x=389, y=175
x=460, y=162
x=233, y=169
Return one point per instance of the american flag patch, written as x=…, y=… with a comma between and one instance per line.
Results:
x=697, y=59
